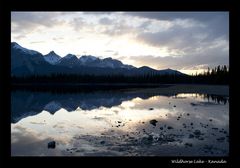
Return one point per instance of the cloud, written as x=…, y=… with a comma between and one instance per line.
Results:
x=109, y=51
x=98, y=13
x=210, y=57
x=19, y=36
x=105, y=21
x=36, y=42
x=117, y=30
x=188, y=36
x=33, y=19
x=199, y=16
x=113, y=52
x=179, y=32
x=78, y=23
x=215, y=23
x=57, y=38
x=27, y=22
x=190, y=39
x=174, y=37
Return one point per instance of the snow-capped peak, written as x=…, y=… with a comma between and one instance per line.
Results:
x=52, y=57
x=69, y=56
x=52, y=53
x=17, y=46
x=69, y=60
x=86, y=58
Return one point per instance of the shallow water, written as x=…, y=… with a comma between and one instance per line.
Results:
x=119, y=123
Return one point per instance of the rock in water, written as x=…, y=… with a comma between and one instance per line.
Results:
x=52, y=144
x=188, y=145
x=150, y=108
x=147, y=140
x=221, y=139
x=153, y=122
x=197, y=132
x=191, y=136
x=193, y=104
x=102, y=142
x=150, y=138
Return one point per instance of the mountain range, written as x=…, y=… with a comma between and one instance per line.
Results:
x=26, y=62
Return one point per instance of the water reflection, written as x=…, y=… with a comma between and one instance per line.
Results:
x=25, y=103
x=119, y=124
x=210, y=98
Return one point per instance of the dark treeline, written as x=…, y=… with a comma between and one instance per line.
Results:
x=216, y=99
x=218, y=75
x=71, y=78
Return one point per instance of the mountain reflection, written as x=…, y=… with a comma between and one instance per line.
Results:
x=28, y=103
x=24, y=103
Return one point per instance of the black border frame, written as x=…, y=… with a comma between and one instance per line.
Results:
x=114, y=5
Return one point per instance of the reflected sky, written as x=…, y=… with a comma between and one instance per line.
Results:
x=185, y=125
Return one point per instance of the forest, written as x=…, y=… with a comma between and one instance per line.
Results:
x=218, y=75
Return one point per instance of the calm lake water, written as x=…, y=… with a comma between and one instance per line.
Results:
x=119, y=123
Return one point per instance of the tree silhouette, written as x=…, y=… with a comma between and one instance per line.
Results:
x=218, y=75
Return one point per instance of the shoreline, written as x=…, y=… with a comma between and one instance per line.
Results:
x=222, y=90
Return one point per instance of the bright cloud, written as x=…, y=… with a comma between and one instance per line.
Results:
x=180, y=40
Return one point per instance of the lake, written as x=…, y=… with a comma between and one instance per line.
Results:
x=120, y=122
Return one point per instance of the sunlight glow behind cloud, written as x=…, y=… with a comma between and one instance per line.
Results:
x=177, y=40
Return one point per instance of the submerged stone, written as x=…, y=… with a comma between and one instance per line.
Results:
x=153, y=122
x=52, y=144
x=193, y=104
x=191, y=136
x=197, y=132
x=221, y=139
x=147, y=140
x=150, y=138
x=102, y=142
x=188, y=144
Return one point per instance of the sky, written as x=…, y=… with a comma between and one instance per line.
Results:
x=186, y=41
